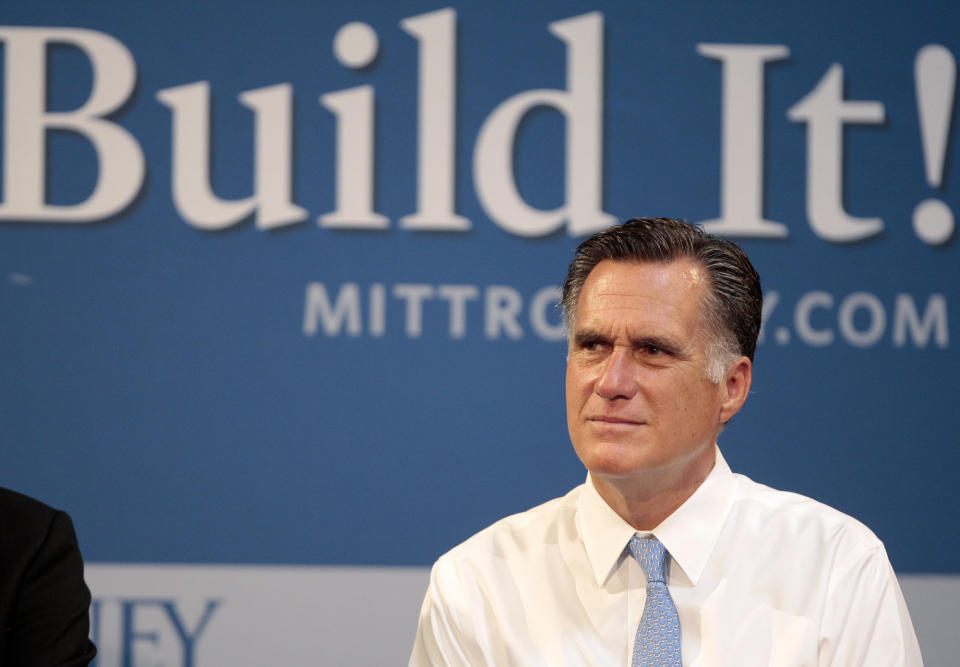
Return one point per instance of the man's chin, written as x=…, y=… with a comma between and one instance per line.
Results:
x=622, y=462
x=621, y=471
x=616, y=459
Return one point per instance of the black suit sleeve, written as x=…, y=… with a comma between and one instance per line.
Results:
x=46, y=601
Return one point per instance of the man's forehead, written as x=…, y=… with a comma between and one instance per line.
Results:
x=670, y=281
x=640, y=300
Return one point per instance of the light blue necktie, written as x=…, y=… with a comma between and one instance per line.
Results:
x=658, y=637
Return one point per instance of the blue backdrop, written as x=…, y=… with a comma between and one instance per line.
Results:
x=306, y=392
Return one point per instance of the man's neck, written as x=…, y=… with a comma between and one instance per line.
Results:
x=645, y=500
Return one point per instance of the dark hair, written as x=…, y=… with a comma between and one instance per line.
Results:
x=734, y=304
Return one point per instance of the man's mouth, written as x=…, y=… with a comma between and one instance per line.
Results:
x=613, y=419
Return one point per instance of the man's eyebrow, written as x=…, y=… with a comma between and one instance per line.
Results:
x=665, y=344
x=587, y=336
x=584, y=336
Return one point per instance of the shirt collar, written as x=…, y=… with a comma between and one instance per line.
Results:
x=689, y=534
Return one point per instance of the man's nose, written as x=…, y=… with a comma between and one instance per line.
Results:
x=618, y=379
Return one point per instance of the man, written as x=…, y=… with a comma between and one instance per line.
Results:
x=664, y=556
x=44, y=602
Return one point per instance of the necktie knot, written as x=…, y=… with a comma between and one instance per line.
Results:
x=650, y=553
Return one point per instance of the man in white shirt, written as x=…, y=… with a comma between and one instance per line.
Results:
x=662, y=325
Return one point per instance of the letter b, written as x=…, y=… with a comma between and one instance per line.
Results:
x=26, y=120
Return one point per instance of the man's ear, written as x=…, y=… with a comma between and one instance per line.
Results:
x=736, y=387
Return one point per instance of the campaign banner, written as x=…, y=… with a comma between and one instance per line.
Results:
x=192, y=615
x=278, y=281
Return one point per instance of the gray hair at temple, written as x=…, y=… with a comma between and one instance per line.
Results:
x=733, y=306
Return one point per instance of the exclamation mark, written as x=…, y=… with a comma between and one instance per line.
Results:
x=935, y=73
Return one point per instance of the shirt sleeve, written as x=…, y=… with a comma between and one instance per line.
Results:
x=866, y=621
x=447, y=633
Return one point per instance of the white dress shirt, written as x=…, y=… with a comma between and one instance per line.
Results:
x=759, y=577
